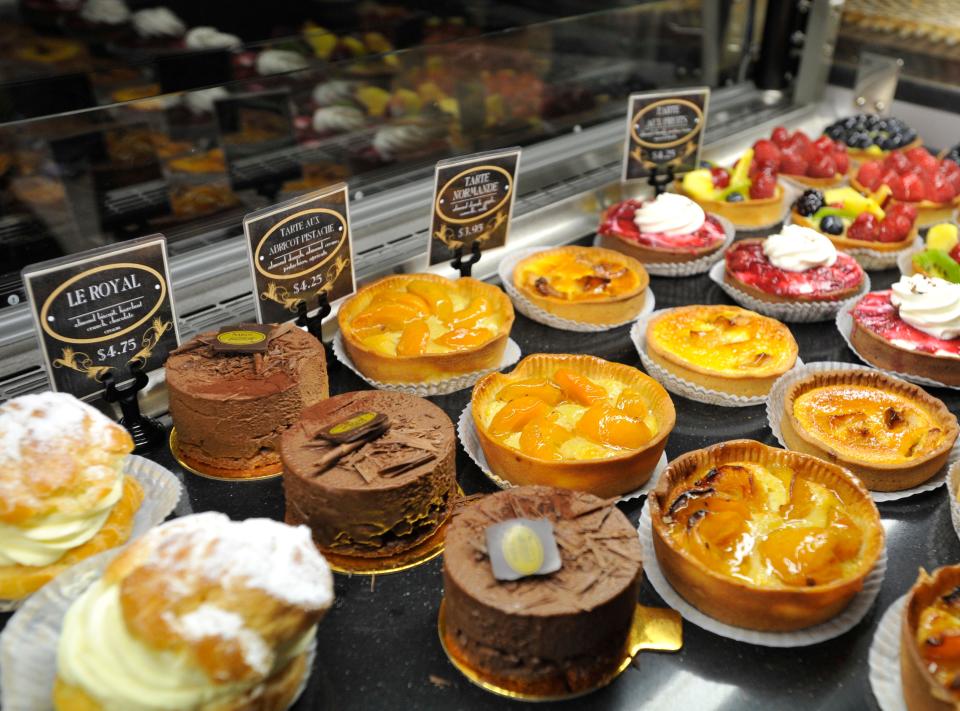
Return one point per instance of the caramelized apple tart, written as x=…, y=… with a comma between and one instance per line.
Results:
x=764, y=538
x=425, y=328
x=889, y=433
x=574, y=422
x=723, y=348
x=930, y=642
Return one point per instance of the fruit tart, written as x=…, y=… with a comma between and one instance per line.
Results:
x=917, y=178
x=870, y=136
x=940, y=257
x=912, y=328
x=855, y=221
x=952, y=154
x=722, y=348
x=587, y=284
x=748, y=195
x=669, y=228
x=797, y=264
x=822, y=163
x=425, y=328
x=889, y=433
x=763, y=538
x=930, y=641
x=574, y=422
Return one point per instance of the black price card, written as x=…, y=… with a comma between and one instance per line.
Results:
x=103, y=311
x=298, y=249
x=472, y=202
x=664, y=130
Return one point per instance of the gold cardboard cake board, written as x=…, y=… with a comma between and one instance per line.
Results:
x=208, y=472
x=651, y=628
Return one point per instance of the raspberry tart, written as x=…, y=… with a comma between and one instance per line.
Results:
x=870, y=136
x=797, y=264
x=913, y=328
x=855, y=221
x=940, y=257
x=822, y=163
x=670, y=228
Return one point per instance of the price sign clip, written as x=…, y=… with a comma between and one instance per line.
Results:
x=465, y=266
x=147, y=432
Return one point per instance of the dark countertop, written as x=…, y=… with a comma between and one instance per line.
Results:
x=378, y=646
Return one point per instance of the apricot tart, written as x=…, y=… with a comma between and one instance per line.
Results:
x=424, y=328
x=930, y=642
x=573, y=421
x=763, y=538
x=889, y=433
x=723, y=348
x=913, y=328
x=587, y=284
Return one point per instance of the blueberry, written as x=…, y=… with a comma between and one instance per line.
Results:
x=887, y=143
x=832, y=225
x=872, y=121
x=859, y=139
x=735, y=197
x=849, y=122
x=808, y=203
x=835, y=132
x=894, y=141
x=909, y=135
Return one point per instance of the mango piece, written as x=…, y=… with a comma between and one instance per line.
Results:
x=602, y=423
x=460, y=338
x=578, y=387
x=852, y=200
x=542, y=438
x=515, y=415
x=942, y=237
x=535, y=387
x=373, y=98
x=414, y=339
x=699, y=184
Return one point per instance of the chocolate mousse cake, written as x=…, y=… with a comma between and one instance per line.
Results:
x=568, y=628
x=372, y=473
x=230, y=407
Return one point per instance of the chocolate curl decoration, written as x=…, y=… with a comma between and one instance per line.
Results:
x=349, y=434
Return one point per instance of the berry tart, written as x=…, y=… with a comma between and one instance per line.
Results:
x=822, y=163
x=855, y=221
x=870, y=136
x=917, y=178
x=913, y=328
x=952, y=154
x=670, y=228
x=941, y=256
x=797, y=264
x=748, y=195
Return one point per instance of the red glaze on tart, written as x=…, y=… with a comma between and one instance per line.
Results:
x=619, y=222
x=876, y=313
x=747, y=263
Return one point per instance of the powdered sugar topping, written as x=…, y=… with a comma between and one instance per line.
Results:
x=211, y=621
x=43, y=420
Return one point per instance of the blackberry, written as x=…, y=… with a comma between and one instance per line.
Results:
x=832, y=225
x=735, y=197
x=808, y=203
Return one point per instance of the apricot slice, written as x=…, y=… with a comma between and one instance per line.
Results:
x=805, y=498
x=542, y=438
x=414, y=339
x=468, y=317
x=515, y=415
x=578, y=387
x=535, y=387
x=384, y=317
x=436, y=297
x=633, y=405
x=801, y=556
x=602, y=423
x=415, y=302
x=460, y=338
x=734, y=480
x=721, y=529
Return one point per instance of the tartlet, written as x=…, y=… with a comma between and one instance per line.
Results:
x=588, y=284
x=749, y=214
x=889, y=433
x=723, y=348
x=869, y=136
x=763, y=538
x=424, y=328
x=854, y=221
x=574, y=422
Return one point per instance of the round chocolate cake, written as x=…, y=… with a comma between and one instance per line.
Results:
x=569, y=627
x=230, y=408
x=380, y=493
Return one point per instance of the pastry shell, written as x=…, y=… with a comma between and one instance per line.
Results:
x=428, y=367
x=748, y=214
x=613, y=476
x=610, y=310
x=841, y=242
x=746, y=604
x=882, y=475
x=928, y=212
x=816, y=183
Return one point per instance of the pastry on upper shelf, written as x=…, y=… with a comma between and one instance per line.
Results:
x=387, y=492
x=930, y=641
x=764, y=538
x=889, y=433
x=822, y=163
x=201, y=613
x=912, y=328
x=63, y=494
x=855, y=221
x=797, y=264
x=748, y=195
x=425, y=328
x=573, y=421
x=230, y=408
x=723, y=348
x=668, y=228
x=587, y=284
x=566, y=629
x=917, y=178
x=940, y=256
x=870, y=136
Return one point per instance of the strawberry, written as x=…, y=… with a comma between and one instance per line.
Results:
x=764, y=185
x=870, y=174
x=721, y=178
x=792, y=163
x=951, y=171
x=780, y=136
x=921, y=156
x=939, y=189
x=842, y=160
x=887, y=232
x=912, y=188
x=895, y=182
x=823, y=167
x=799, y=142
x=955, y=253
x=902, y=208
x=766, y=151
x=902, y=225
x=897, y=161
x=864, y=227
x=824, y=144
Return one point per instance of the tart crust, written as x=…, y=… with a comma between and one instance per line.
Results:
x=747, y=604
x=817, y=183
x=428, y=367
x=880, y=473
x=842, y=242
x=749, y=214
x=608, y=477
x=928, y=212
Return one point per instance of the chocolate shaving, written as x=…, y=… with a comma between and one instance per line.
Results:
x=410, y=441
x=367, y=469
x=329, y=459
x=401, y=464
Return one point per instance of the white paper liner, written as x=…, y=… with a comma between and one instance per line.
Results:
x=874, y=258
x=845, y=326
x=796, y=312
x=467, y=432
x=511, y=354
x=28, y=645
x=884, y=659
x=161, y=492
x=695, y=266
x=529, y=309
x=775, y=417
x=953, y=491
x=679, y=386
x=846, y=620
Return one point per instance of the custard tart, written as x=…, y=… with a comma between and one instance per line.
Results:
x=587, y=284
x=764, y=538
x=424, y=328
x=889, y=433
x=723, y=348
x=574, y=422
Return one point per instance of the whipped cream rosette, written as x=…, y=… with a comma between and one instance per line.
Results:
x=799, y=249
x=930, y=305
x=211, y=38
x=669, y=216
x=157, y=23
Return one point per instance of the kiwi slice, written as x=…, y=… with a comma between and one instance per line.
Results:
x=937, y=263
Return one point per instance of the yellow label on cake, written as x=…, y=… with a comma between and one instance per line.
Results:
x=353, y=423
x=522, y=550
x=241, y=338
